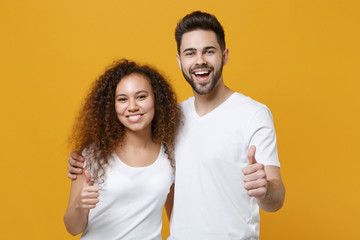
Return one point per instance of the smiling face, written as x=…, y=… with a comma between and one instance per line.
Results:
x=135, y=103
x=201, y=60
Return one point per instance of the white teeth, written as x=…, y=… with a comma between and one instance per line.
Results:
x=202, y=72
x=135, y=117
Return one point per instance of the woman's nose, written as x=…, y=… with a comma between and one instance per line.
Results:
x=133, y=106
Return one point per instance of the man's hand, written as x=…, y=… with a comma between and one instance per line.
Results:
x=264, y=183
x=76, y=165
x=255, y=181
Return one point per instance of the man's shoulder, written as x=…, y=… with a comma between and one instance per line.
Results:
x=247, y=103
x=186, y=103
x=240, y=102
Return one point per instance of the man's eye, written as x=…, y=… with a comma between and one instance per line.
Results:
x=189, y=54
x=209, y=52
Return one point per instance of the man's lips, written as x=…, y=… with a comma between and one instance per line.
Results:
x=201, y=75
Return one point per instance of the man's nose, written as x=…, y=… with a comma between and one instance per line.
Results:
x=200, y=59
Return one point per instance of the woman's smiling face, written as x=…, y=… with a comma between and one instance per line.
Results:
x=135, y=102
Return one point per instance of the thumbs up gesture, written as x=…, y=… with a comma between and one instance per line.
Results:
x=255, y=181
x=89, y=193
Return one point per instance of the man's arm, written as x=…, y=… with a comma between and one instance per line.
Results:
x=275, y=194
x=264, y=183
x=76, y=165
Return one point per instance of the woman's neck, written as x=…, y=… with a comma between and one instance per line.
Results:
x=138, y=149
x=138, y=140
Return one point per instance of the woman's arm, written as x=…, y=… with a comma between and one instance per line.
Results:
x=83, y=197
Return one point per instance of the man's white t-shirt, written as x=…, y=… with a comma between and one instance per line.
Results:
x=211, y=151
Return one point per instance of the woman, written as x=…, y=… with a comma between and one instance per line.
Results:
x=126, y=132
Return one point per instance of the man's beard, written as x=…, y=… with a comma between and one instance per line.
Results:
x=207, y=87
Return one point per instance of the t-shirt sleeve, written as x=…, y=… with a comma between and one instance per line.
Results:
x=263, y=136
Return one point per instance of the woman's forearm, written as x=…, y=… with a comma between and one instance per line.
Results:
x=75, y=219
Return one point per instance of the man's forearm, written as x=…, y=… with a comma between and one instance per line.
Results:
x=274, y=198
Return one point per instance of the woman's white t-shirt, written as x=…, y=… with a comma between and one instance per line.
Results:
x=131, y=201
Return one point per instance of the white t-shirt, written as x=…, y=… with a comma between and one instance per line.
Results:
x=211, y=151
x=131, y=201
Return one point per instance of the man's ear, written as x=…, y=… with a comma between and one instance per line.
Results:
x=179, y=61
x=225, y=56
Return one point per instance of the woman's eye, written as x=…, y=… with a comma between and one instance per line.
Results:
x=141, y=97
x=121, y=99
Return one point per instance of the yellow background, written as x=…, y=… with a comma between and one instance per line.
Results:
x=299, y=57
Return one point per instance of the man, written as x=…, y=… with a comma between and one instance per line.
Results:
x=219, y=184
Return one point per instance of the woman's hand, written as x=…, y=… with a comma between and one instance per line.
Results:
x=89, y=195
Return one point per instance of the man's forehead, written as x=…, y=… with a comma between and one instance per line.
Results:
x=199, y=39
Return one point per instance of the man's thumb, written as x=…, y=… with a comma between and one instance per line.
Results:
x=251, y=154
x=87, y=177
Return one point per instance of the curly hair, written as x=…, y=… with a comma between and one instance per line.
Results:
x=97, y=130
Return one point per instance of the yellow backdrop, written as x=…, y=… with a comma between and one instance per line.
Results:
x=299, y=57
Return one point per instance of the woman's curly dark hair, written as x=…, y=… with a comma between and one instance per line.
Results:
x=97, y=130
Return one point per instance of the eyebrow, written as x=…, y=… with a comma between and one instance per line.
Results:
x=194, y=49
x=138, y=92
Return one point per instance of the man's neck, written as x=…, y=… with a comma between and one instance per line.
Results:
x=208, y=102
